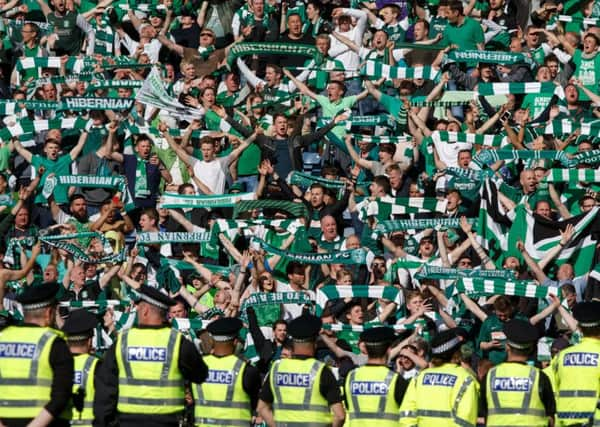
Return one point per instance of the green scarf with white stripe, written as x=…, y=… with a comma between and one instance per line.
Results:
x=333, y=292
x=443, y=273
x=389, y=226
x=174, y=200
x=523, y=288
x=376, y=70
x=572, y=176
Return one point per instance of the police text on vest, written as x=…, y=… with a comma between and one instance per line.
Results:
x=443, y=380
x=146, y=354
x=17, y=350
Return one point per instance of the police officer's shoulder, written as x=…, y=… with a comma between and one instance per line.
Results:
x=587, y=314
x=305, y=328
x=155, y=297
x=36, y=297
x=79, y=325
x=225, y=328
x=520, y=334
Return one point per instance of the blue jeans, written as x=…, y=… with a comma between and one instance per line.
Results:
x=250, y=182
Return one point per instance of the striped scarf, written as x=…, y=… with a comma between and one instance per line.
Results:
x=487, y=89
x=567, y=127
x=383, y=139
x=478, y=286
x=305, y=180
x=572, y=176
x=470, y=138
x=333, y=292
x=384, y=207
x=376, y=70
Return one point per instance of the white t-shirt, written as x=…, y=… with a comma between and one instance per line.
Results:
x=212, y=174
x=291, y=311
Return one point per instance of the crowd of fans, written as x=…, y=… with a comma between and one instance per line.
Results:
x=287, y=143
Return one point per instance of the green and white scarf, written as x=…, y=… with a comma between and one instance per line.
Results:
x=113, y=84
x=389, y=226
x=265, y=298
x=141, y=190
x=592, y=22
x=305, y=180
x=173, y=237
x=354, y=256
x=501, y=287
x=294, y=209
x=99, y=304
x=572, y=176
x=376, y=70
x=91, y=181
x=587, y=157
x=488, y=56
x=470, y=138
x=443, y=273
x=487, y=89
x=333, y=292
x=245, y=49
x=174, y=200
x=488, y=157
x=384, y=207
x=371, y=139
x=567, y=127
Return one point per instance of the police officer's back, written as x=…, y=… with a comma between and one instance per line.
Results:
x=36, y=367
x=513, y=392
x=302, y=390
x=373, y=392
x=141, y=380
x=445, y=394
x=576, y=372
x=230, y=392
x=79, y=331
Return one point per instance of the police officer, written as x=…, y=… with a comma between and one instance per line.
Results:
x=229, y=394
x=302, y=390
x=513, y=392
x=445, y=394
x=79, y=330
x=36, y=367
x=374, y=392
x=142, y=378
x=577, y=372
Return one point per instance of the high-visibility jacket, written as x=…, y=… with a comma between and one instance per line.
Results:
x=370, y=398
x=513, y=396
x=85, y=367
x=149, y=378
x=576, y=372
x=295, y=384
x=221, y=399
x=25, y=371
x=443, y=396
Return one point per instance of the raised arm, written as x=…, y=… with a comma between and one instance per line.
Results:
x=164, y=40
x=23, y=152
x=301, y=86
x=346, y=41
x=364, y=163
x=74, y=153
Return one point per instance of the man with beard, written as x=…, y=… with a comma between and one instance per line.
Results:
x=77, y=219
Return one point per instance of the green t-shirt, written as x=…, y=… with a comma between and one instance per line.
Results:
x=249, y=160
x=466, y=36
x=536, y=102
x=331, y=109
x=61, y=166
x=588, y=71
x=492, y=329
